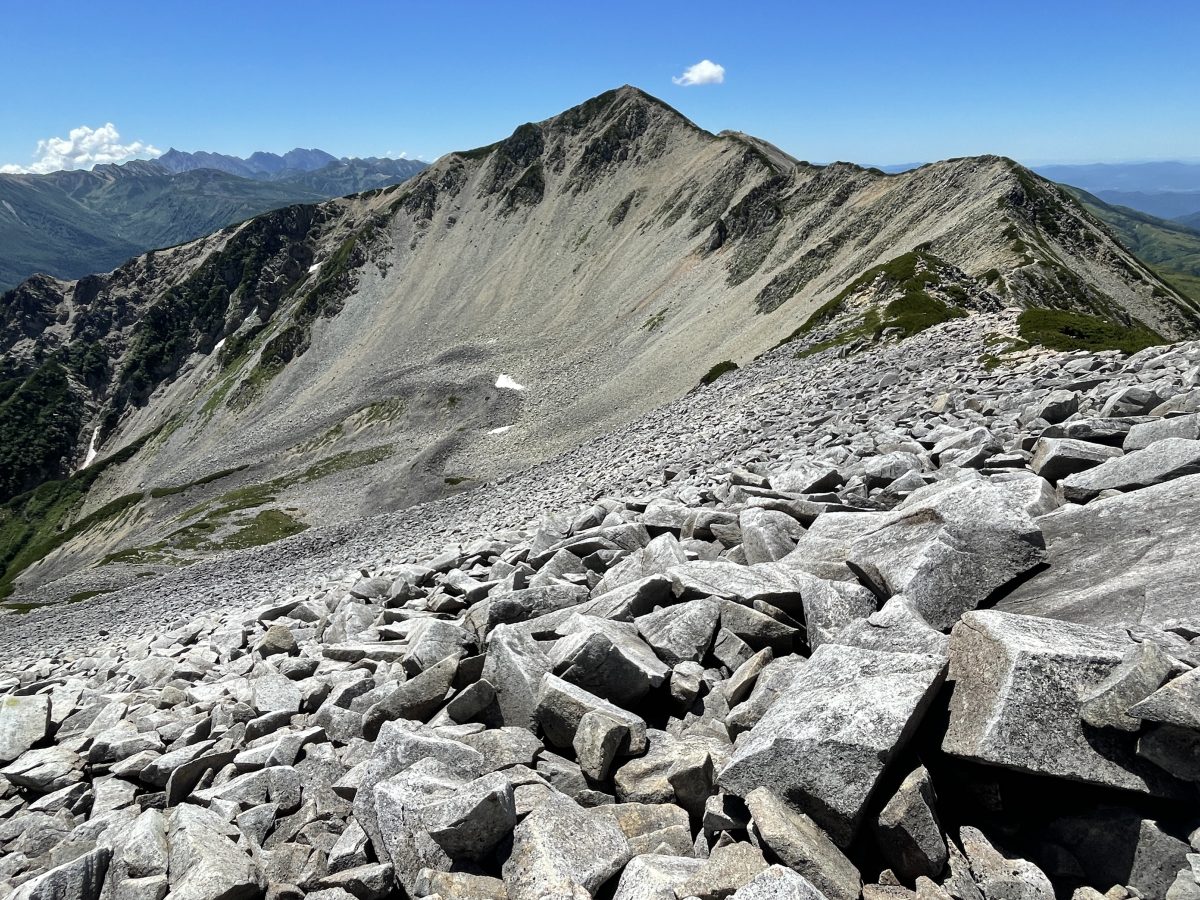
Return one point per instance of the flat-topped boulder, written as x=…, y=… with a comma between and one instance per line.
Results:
x=1019, y=686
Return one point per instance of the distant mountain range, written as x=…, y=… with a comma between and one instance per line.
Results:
x=75, y=223
x=1168, y=190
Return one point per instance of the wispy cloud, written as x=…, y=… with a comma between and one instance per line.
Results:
x=704, y=72
x=83, y=148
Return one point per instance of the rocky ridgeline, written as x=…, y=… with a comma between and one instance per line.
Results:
x=936, y=636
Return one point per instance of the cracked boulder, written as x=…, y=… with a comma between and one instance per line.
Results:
x=847, y=714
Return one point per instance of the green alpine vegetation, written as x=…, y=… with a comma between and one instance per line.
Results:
x=913, y=275
x=1062, y=330
x=1170, y=248
x=35, y=523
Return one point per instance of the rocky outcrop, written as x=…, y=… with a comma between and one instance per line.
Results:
x=623, y=699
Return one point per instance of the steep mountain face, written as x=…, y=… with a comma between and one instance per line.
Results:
x=323, y=362
x=71, y=224
x=1171, y=248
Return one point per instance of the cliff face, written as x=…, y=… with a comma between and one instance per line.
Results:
x=322, y=362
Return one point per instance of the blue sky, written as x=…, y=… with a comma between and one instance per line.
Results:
x=871, y=82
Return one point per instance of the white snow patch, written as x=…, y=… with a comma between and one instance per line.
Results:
x=507, y=382
x=9, y=207
x=219, y=344
x=91, y=454
x=314, y=268
x=503, y=429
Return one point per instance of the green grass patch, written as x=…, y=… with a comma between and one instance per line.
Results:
x=655, y=322
x=34, y=524
x=203, y=536
x=1061, y=330
x=207, y=479
x=268, y=526
x=717, y=371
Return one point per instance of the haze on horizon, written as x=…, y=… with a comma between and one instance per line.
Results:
x=1079, y=82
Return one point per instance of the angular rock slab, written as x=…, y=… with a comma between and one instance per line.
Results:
x=80, y=879
x=948, y=548
x=563, y=850
x=23, y=722
x=797, y=841
x=848, y=712
x=1162, y=461
x=1019, y=685
x=1123, y=560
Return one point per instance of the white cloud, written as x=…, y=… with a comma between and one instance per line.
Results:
x=704, y=72
x=83, y=148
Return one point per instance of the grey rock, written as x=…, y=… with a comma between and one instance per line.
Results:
x=651, y=827
x=561, y=707
x=459, y=886
x=514, y=667
x=1057, y=406
x=607, y=658
x=1156, y=861
x=1143, y=434
x=683, y=632
x=910, y=834
x=655, y=877
x=829, y=606
x=825, y=546
x=418, y=698
x=563, y=850
x=46, y=769
x=897, y=626
x=768, y=535
x=470, y=823
x=597, y=741
x=505, y=746
x=769, y=582
x=1056, y=458
x=797, y=842
x=277, y=639
x=948, y=548
x=372, y=881
x=79, y=879
x=1037, y=727
x=1001, y=878
x=849, y=711
x=726, y=870
x=1175, y=703
x=24, y=721
x=1142, y=670
x=1174, y=750
x=775, y=679
x=1119, y=560
x=204, y=861
x=778, y=883
x=1162, y=461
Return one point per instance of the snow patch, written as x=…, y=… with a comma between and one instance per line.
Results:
x=315, y=267
x=219, y=344
x=91, y=454
x=9, y=207
x=503, y=429
x=508, y=383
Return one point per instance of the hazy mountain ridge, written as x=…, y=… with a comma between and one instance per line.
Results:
x=603, y=259
x=74, y=223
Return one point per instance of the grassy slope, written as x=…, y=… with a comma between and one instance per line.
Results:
x=1170, y=248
